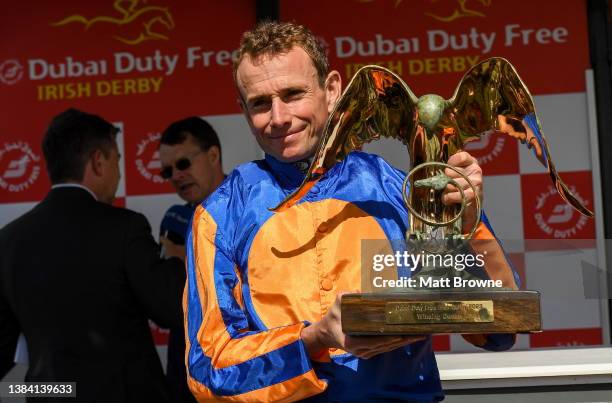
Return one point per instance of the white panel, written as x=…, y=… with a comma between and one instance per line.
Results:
x=564, y=122
x=121, y=147
x=568, y=301
x=459, y=345
x=12, y=211
x=598, y=201
x=153, y=207
x=522, y=342
x=238, y=145
x=503, y=206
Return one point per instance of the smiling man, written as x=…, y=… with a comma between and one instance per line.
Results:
x=285, y=102
x=262, y=297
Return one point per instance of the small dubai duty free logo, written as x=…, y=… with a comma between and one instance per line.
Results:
x=11, y=71
x=19, y=166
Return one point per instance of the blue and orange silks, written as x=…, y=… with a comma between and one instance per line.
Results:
x=256, y=278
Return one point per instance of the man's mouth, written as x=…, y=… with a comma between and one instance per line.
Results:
x=185, y=187
x=282, y=136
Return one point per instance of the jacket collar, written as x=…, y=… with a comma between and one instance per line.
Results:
x=289, y=174
x=70, y=192
x=74, y=185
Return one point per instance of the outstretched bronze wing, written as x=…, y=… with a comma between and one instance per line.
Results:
x=375, y=103
x=492, y=96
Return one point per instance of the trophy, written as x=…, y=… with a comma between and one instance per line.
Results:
x=490, y=98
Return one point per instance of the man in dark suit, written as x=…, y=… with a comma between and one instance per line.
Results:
x=80, y=278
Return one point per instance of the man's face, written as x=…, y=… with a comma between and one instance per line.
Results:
x=284, y=104
x=195, y=183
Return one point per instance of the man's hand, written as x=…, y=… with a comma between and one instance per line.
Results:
x=170, y=249
x=327, y=333
x=467, y=164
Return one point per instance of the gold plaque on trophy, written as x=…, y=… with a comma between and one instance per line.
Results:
x=414, y=312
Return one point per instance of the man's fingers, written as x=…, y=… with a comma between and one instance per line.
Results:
x=455, y=197
x=462, y=183
x=461, y=159
x=454, y=174
x=451, y=194
x=474, y=172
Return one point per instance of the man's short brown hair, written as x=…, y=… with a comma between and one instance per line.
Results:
x=70, y=141
x=274, y=38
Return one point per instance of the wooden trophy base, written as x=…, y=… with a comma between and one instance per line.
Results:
x=441, y=311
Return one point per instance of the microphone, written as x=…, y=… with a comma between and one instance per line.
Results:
x=175, y=223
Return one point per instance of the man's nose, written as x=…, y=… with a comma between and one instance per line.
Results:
x=177, y=174
x=281, y=115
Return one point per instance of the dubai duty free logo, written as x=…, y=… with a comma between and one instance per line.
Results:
x=487, y=148
x=556, y=218
x=11, y=71
x=147, y=159
x=19, y=166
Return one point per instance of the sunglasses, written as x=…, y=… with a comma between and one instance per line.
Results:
x=181, y=165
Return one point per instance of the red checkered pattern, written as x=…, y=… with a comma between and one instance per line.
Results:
x=548, y=240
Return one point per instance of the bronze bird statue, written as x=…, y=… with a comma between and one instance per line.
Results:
x=490, y=97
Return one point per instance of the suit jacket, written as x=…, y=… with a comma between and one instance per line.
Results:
x=81, y=279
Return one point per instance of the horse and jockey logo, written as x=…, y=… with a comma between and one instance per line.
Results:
x=456, y=9
x=460, y=10
x=135, y=22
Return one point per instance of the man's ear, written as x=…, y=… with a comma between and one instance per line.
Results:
x=97, y=162
x=213, y=155
x=333, y=89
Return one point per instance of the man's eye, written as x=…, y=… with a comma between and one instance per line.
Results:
x=296, y=94
x=259, y=104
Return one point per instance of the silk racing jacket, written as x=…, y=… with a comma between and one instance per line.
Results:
x=257, y=278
